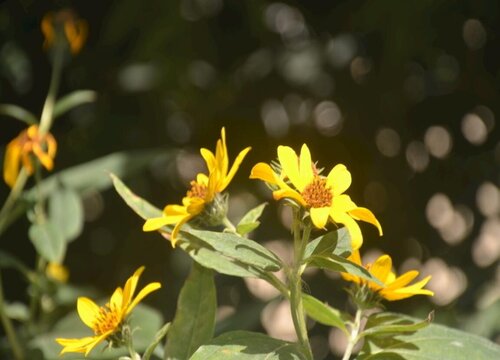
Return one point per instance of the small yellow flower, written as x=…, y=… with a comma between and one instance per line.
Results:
x=57, y=272
x=203, y=190
x=395, y=287
x=20, y=149
x=107, y=321
x=65, y=26
x=322, y=196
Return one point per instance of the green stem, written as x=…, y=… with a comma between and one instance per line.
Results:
x=35, y=297
x=295, y=280
x=13, y=196
x=48, y=107
x=353, y=339
x=229, y=225
x=9, y=329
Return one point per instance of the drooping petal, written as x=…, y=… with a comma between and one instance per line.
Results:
x=177, y=228
x=402, y=280
x=319, y=216
x=51, y=145
x=87, y=310
x=234, y=168
x=11, y=162
x=148, y=289
x=364, y=214
x=352, y=227
x=154, y=224
x=305, y=166
x=289, y=193
x=78, y=345
x=355, y=258
x=381, y=268
x=339, y=179
x=264, y=172
x=409, y=291
x=44, y=158
x=290, y=166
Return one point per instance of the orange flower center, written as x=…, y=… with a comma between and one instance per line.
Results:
x=197, y=190
x=108, y=320
x=317, y=194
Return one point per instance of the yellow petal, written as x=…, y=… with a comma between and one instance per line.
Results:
x=116, y=300
x=87, y=310
x=83, y=345
x=342, y=203
x=177, y=228
x=196, y=206
x=209, y=158
x=339, y=179
x=305, y=165
x=45, y=159
x=234, y=168
x=351, y=226
x=176, y=210
x=149, y=288
x=355, y=258
x=11, y=162
x=264, y=172
x=319, y=216
x=130, y=286
x=202, y=179
x=289, y=193
x=366, y=215
x=51, y=145
x=409, y=291
x=155, y=223
x=381, y=268
x=290, y=166
x=402, y=280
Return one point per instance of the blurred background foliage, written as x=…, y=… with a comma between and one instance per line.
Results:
x=405, y=93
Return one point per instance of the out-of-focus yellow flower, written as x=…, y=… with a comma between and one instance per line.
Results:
x=64, y=26
x=57, y=272
x=322, y=196
x=395, y=288
x=203, y=190
x=20, y=149
x=107, y=321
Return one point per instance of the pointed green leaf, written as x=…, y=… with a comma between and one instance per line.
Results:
x=246, y=345
x=336, y=242
x=383, y=323
x=431, y=342
x=340, y=264
x=194, y=320
x=249, y=221
x=72, y=100
x=323, y=313
x=66, y=213
x=18, y=113
x=48, y=241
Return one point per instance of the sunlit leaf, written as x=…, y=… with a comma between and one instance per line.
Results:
x=323, y=313
x=383, y=323
x=245, y=345
x=336, y=242
x=194, y=319
x=249, y=221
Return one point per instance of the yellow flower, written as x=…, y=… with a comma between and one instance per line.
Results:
x=20, y=149
x=57, y=272
x=64, y=25
x=203, y=190
x=323, y=196
x=395, y=287
x=107, y=321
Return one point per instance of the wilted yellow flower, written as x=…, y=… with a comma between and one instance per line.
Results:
x=395, y=288
x=322, y=196
x=65, y=26
x=57, y=272
x=203, y=190
x=28, y=142
x=107, y=321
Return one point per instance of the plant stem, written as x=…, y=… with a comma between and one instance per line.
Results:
x=13, y=196
x=353, y=339
x=9, y=329
x=229, y=225
x=295, y=280
x=55, y=79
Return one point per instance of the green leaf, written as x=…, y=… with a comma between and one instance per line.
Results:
x=246, y=345
x=432, y=342
x=237, y=248
x=249, y=221
x=383, y=323
x=194, y=320
x=336, y=242
x=340, y=264
x=18, y=113
x=66, y=213
x=72, y=100
x=140, y=206
x=202, y=247
x=48, y=241
x=90, y=176
x=156, y=341
x=145, y=321
x=323, y=313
